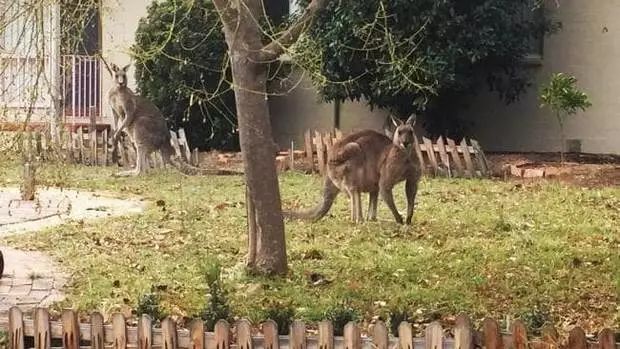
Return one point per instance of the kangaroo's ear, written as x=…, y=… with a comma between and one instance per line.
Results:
x=389, y=126
x=411, y=120
x=126, y=67
x=114, y=67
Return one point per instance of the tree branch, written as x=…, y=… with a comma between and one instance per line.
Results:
x=276, y=48
x=228, y=14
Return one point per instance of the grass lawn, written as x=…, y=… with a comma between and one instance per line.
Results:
x=541, y=251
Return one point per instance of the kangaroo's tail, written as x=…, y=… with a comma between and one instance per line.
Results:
x=330, y=191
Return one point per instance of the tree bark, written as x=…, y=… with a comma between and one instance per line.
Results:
x=258, y=150
x=249, y=58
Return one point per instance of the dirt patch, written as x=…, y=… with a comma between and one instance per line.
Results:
x=586, y=170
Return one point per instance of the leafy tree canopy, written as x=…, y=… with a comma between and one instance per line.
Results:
x=182, y=66
x=412, y=55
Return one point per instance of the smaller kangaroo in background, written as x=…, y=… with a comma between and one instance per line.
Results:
x=146, y=127
x=370, y=162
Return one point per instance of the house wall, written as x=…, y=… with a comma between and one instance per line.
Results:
x=588, y=47
x=119, y=21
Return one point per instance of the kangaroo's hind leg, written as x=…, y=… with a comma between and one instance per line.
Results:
x=373, y=198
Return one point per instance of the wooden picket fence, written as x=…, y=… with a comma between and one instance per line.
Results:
x=41, y=332
x=444, y=157
x=91, y=147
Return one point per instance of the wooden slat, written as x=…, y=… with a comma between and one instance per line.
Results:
x=320, y=151
x=80, y=140
x=430, y=153
x=456, y=159
x=308, y=150
x=352, y=336
x=70, y=330
x=169, y=334
x=270, y=335
x=119, y=331
x=197, y=334
x=326, y=335
x=174, y=140
x=471, y=171
x=519, y=335
x=96, y=331
x=482, y=161
x=550, y=337
x=105, y=147
x=195, y=157
x=463, y=333
x=380, y=336
x=405, y=335
x=92, y=130
x=443, y=155
x=42, y=335
x=577, y=339
x=338, y=134
x=221, y=335
x=491, y=334
x=418, y=153
x=244, y=334
x=16, y=328
x=327, y=139
x=434, y=336
x=297, y=336
x=185, y=143
x=145, y=332
x=606, y=339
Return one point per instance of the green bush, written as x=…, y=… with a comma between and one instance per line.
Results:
x=282, y=314
x=340, y=315
x=182, y=66
x=217, y=306
x=149, y=304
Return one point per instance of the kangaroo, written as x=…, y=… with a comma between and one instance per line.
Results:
x=146, y=127
x=370, y=162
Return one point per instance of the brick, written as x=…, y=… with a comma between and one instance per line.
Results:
x=515, y=171
x=43, y=284
x=533, y=173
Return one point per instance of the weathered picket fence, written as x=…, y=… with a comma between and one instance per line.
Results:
x=69, y=333
x=91, y=146
x=444, y=157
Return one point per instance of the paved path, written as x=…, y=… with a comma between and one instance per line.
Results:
x=32, y=279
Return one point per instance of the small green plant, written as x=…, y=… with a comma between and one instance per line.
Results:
x=340, y=315
x=282, y=314
x=564, y=99
x=536, y=318
x=149, y=304
x=217, y=307
x=397, y=316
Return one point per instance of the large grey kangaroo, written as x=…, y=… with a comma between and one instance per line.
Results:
x=370, y=162
x=146, y=127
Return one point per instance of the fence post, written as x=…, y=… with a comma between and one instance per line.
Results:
x=197, y=334
x=70, y=330
x=463, y=333
x=352, y=336
x=145, y=332
x=326, y=335
x=519, y=335
x=434, y=336
x=309, y=152
x=405, y=335
x=16, y=328
x=96, y=331
x=221, y=335
x=42, y=334
x=380, y=337
x=270, y=335
x=606, y=339
x=169, y=333
x=297, y=335
x=119, y=331
x=492, y=336
x=244, y=334
x=577, y=339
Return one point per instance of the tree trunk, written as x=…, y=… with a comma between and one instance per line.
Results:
x=258, y=150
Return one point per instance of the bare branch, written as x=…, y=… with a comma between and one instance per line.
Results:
x=276, y=48
x=228, y=14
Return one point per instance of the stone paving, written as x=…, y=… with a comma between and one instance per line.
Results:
x=32, y=279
